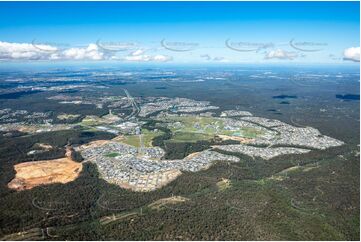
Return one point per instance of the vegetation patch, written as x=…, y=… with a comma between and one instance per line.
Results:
x=189, y=137
x=196, y=128
x=66, y=116
x=162, y=203
x=112, y=155
x=147, y=137
x=224, y=184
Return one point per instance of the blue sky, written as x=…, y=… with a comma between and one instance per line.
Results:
x=259, y=32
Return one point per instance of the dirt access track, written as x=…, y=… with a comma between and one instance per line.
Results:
x=36, y=173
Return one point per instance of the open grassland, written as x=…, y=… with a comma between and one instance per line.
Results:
x=195, y=128
x=91, y=121
x=66, y=116
x=189, y=137
x=147, y=136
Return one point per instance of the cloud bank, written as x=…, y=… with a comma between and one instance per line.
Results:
x=32, y=52
x=25, y=51
x=91, y=52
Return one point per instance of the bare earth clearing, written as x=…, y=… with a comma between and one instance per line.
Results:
x=36, y=173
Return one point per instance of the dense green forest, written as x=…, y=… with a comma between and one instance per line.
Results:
x=318, y=199
x=307, y=204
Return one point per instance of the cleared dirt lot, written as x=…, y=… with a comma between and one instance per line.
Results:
x=36, y=173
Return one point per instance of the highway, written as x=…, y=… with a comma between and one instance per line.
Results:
x=135, y=112
x=135, y=106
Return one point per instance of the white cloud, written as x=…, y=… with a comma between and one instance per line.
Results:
x=162, y=58
x=206, y=57
x=25, y=51
x=352, y=54
x=220, y=59
x=29, y=51
x=145, y=58
x=91, y=52
x=137, y=58
x=281, y=54
x=137, y=52
x=210, y=58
